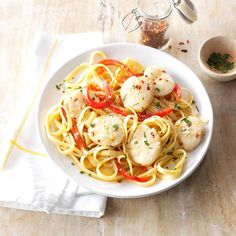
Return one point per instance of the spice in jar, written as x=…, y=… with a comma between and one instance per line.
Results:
x=153, y=33
x=220, y=62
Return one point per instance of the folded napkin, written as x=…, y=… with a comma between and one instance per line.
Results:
x=31, y=181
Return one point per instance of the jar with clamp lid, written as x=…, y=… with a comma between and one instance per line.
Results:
x=153, y=20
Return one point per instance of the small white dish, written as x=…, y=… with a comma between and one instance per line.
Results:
x=221, y=44
x=147, y=56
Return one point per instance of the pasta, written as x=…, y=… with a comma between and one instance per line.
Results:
x=117, y=120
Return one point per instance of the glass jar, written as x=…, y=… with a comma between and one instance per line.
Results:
x=155, y=30
x=153, y=20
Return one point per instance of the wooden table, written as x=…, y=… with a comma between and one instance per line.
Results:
x=205, y=204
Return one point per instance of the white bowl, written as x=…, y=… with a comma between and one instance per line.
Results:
x=147, y=56
x=220, y=44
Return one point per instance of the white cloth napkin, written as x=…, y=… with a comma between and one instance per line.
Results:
x=33, y=182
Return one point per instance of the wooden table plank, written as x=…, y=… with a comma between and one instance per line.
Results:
x=205, y=204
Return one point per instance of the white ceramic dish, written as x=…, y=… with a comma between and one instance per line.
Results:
x=147, y=56
x=220, y=44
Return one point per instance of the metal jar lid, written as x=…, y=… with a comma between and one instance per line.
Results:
x=186, y=10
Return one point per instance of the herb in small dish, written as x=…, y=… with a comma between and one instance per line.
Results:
x=220, y=62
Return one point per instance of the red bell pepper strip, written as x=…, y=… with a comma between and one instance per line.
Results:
x=177, y=90
x=76, y=136
x=117, y=110
x=142, y=117
x=99, y=105
x=112, y=62
x=127, y=175
x=74, y=131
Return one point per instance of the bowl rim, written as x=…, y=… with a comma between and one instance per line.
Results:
x=206, y=68
x=114, y=195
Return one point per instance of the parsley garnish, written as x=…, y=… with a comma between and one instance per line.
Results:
x=125, y=157
x=188, y=122
x=168, y=141
x=124, y=97
x=177, y=107
x=92, y=125
x=136, y=142
x=146, y=142
x=81, y=172
x=158, y=105
x=72, y=163
x=158, y=90
x=220, y=62
x=116, y=127
x=58, y=87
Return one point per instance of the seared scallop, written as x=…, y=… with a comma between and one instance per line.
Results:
x=137, y=93
x=107, y=130
x=190, y=131
x=74, y=102
x=153, y=72
x=144, y=147
x=164, y=85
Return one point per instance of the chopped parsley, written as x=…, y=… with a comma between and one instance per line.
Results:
x=81, y=172
x=72, y=163
x=136, y=142
x=146, y=142
x=220, y=62
x=168, y=141
x=92, y=125
x=116, y=127
x=58, y=87
x=158, y=105
x=158, y=90
x=188, y=122
x=125, y=157
x=89, y=174
x=124, y=97
x=177, y=107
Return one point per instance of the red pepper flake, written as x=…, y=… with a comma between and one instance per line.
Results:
x=181, y=43
x=153, y=135
x=148, y=87
x=99, y=140
x=142, y=81
x=138, y=87
x=163, y=71
x=184, y=50
x=169, y=47
x=160, y=79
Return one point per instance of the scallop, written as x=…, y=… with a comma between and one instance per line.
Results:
x=153, y=72
x=137, y=93
x=145, y=146
x=164, y=85
x=75, y=103
x=190, y=131
x=107, y=130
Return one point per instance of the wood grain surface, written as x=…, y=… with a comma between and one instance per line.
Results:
x=205, y=204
